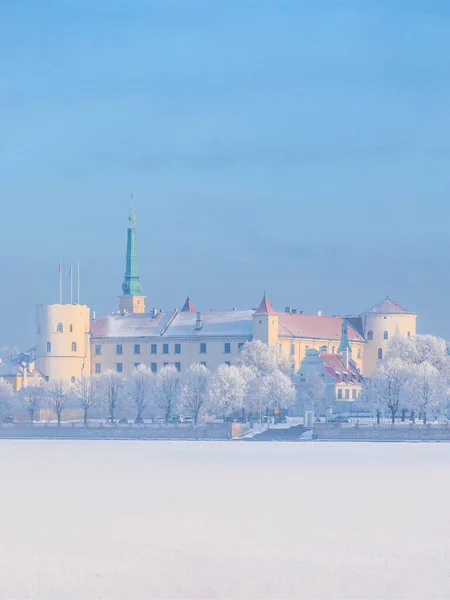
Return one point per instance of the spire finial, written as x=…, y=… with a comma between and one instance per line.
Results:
x=132, y=216
x=265, y=293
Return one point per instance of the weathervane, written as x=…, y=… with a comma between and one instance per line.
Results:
x=132, y=216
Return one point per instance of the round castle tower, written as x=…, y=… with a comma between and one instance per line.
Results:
x=380, y=324
x=62, y=341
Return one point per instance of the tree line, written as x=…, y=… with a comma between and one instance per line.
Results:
x=258, y=381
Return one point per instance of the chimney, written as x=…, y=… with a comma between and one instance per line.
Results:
x=319, y=313
x=288, y=309
x=198, y=324
x=154, y=311
x=294, y=311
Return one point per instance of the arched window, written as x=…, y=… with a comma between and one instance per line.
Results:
x=323, y=349
x=370, y=335
x=74, y=346
x=380, y=353
x=60, y=328
x=72, y=379
x=385, y=335
x=49, y=347
x=71, y=328
x=333, y=349
x=409, y=334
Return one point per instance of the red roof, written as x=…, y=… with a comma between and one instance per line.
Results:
x=265, y=308
x=314, y=326
x=389, y=307
x=188, y=306
x=335, y=367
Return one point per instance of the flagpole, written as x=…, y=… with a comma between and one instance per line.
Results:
x=78, y=273
x=60, y=281
x=71, y=286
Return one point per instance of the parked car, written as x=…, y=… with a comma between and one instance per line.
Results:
x=188, y=419
x=123, y=421
x=339, y=419
x=176, y=419
x=159, y=420
x=10, y=420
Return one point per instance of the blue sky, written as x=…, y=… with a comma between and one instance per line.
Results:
x=296, y=146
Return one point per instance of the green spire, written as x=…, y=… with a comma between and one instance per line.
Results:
x=345, y=344
x=131, y=285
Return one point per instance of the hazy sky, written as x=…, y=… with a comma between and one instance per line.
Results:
x=298, y=146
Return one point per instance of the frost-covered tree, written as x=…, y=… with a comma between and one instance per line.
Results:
x=86, y=393
x=227, y=390
x=58, y=395
x=277, y=391
x=388, y=386
x=31, y=398
x=167, y=390
x=139, y=390
x=312, y=392
x=195, y=390
x=263, y=358
x=6, y=396
x=419, y=349
x=112, y=387
x=426, y=387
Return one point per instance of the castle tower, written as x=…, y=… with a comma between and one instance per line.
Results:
x=131, y=300
x=265, y=323
x=380, y=324
x=63, y=341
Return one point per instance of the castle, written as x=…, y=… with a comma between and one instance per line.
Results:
x=69, y=343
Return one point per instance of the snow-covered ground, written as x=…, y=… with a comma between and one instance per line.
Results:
x=130, y=519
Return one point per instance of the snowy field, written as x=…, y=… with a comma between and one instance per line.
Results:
x=129, y=519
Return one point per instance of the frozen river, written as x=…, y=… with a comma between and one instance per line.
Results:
x=131, y=519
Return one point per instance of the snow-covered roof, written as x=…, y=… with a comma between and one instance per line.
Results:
x=231, y=323
x=314, y=326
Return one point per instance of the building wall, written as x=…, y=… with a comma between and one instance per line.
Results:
x=190, y=352
x=383, y=328
x=265, y=328
x=61, y=359
x=296, y=348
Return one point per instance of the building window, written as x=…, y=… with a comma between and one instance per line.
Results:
x=339, y=394
x=202, y=348
x=323, y=349
x=165, y=364
x=227, y=348
x=165, y=348
x=119, y=367
x=333, y=349
x=240, y=346
x=46, y=378
x=98, y=368
x=49, y=347
x=354, y=394
x=306, y=347
x=71, y=328
x=203, y=364
x=380, y=353
x=153, y=367
x=292, y=348
x=358, y=355
x=177, y=348
x=72, y=379
x=227, y=362
x=136, y=365
x=74, y=346
x=409, y=334
x=98, y=350
x=385, y=335
x=370, y=335
x=178, y=367
x=119, y=349
x=137, y=348
x=59, y=328
x=347, y=394
x=153, y=349
x=38, y=329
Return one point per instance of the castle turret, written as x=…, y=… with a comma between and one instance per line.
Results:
x=380, y=324
x=344, y=346
x=131, y=300
x=265, y=323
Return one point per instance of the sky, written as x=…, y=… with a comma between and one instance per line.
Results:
x=296, y=146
